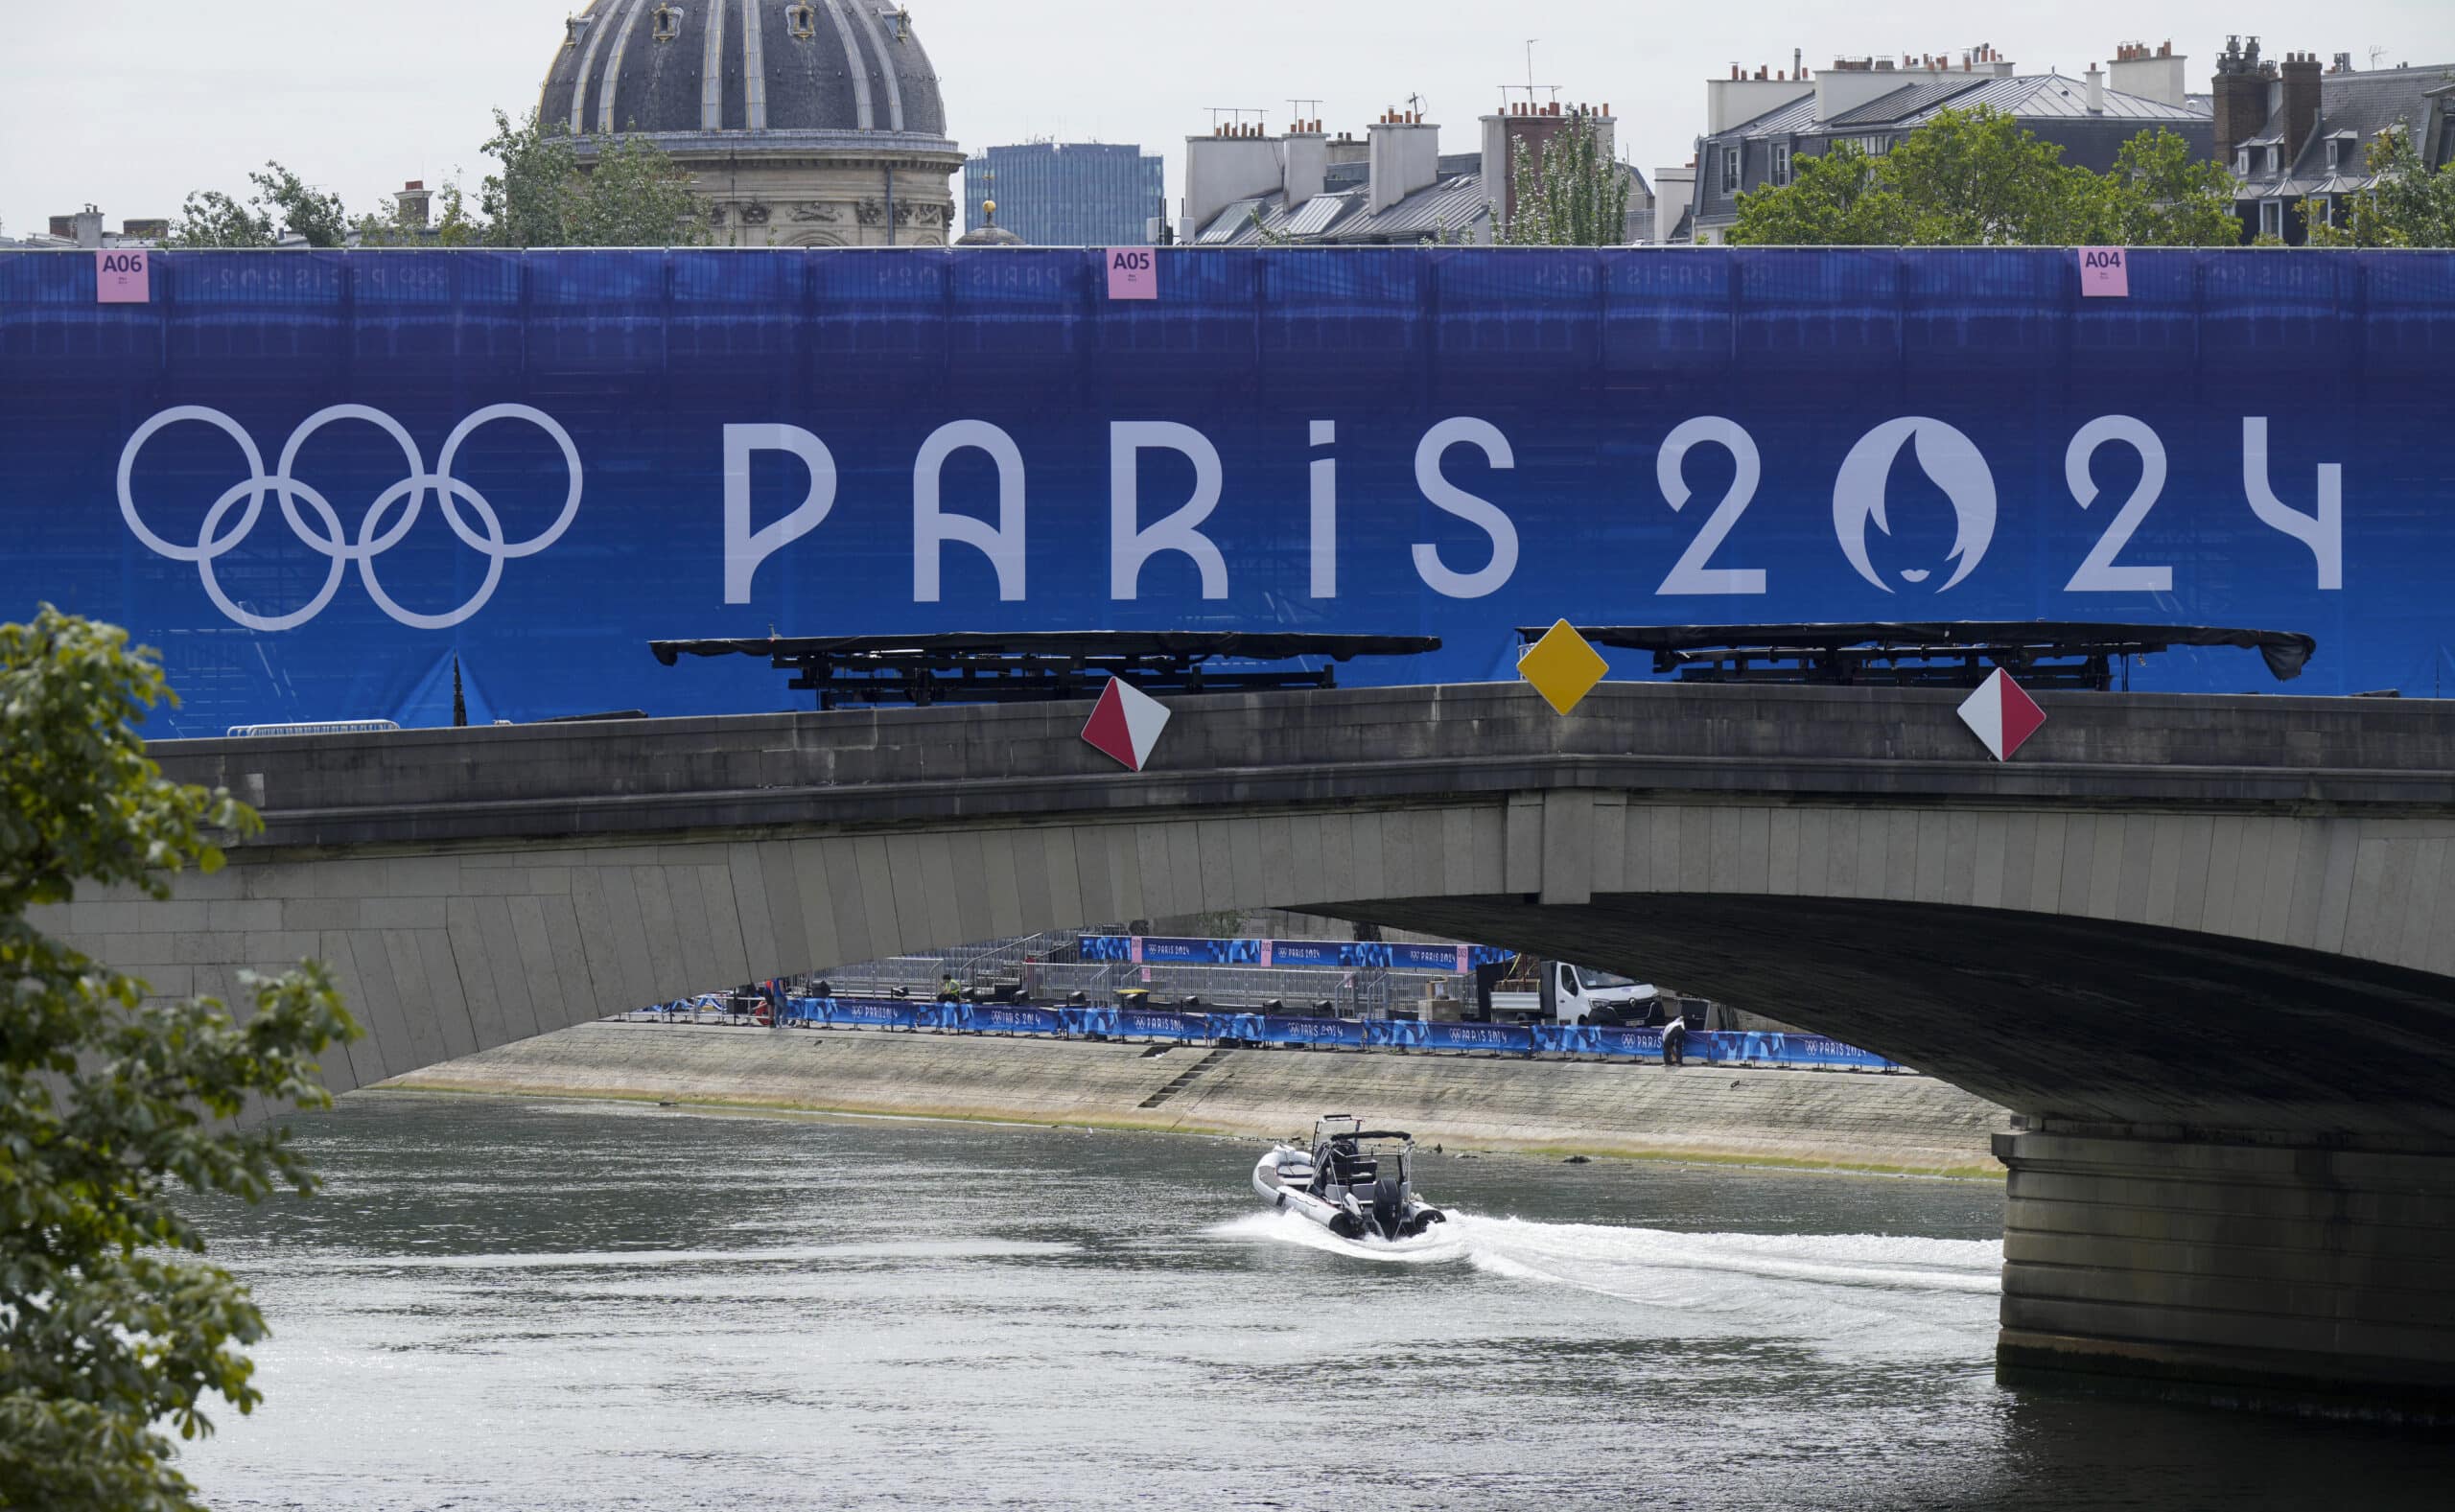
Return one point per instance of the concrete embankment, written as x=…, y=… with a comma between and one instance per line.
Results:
x=1841, y=1119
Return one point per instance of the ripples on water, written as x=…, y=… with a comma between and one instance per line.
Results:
x=502, y=1305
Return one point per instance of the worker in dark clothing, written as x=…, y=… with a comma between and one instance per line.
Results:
x=1674, y=1042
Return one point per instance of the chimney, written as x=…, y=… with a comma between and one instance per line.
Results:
x=2162, y=76
x=414, y=200
x=87, y=224
x=2240, y=87
x=1730, y=102
x=2096, y=90
x=1230, y=165
x=1502, y=135
x=2300, y=73
x=1852, y=82
x=1305, y=154
x=1404, y=157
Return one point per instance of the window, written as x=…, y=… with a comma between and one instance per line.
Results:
x=2335, y=154
x=2276, y=159
x=1731, y=161
x=2242, y=163
x=668, y=23
x=803, y=19
x=1780, y=162
x=2271, y=218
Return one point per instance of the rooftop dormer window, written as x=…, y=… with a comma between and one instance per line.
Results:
x=668, y=23
x=803, y=21
x=574, y=29
x=2242, y=163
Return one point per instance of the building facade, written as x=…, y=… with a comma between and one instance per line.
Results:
x=816, y=122
x=1391, y=187
x=1068, y=194
x=1757, y=128
x=2298, y=138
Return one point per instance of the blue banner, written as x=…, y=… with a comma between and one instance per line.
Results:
x=1269, y=1029
x=1336, y=954
x=317, y=480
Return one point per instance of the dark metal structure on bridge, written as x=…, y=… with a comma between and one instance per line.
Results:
x=1048, y=667
x=2043, y=654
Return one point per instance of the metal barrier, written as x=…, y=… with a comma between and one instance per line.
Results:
x=1705, y=1047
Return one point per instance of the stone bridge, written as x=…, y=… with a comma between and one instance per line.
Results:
x=2204, y=946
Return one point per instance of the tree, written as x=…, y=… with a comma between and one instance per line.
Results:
x=453, y=227
x=211, y=219
x=110, y=1324
x=1573, y=196
x=1839, y=199
x=632, y=196
x=1978, y=178
x=2158, y=194
x=2410, y=205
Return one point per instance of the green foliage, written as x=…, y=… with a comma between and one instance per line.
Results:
x=1575, y=195
x=283, y=204
x=1841, y=198
x=455, y=226
x=211, y=219
x=111, y=1328
x=2411, y=205
x=2158, y=194
x=1978, y=178
x=633, y=195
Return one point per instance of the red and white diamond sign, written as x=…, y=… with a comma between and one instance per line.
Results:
x=2003, y=715
x=1127, y=723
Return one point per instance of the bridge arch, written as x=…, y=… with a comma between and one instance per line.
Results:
x=2205, y=948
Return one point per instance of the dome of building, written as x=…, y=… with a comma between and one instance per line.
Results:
x=668, y=68
x=801, y=122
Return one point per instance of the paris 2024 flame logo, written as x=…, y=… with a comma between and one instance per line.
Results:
x=1950, y=459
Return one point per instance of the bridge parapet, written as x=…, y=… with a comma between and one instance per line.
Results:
x=884, y=767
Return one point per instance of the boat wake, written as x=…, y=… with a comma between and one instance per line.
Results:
x=1809, y=1285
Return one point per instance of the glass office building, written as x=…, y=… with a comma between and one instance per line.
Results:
x=1067, y=193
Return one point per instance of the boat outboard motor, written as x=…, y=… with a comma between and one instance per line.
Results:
x=1390, y=1206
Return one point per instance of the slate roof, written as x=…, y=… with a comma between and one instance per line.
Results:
x=1457, y=202
x=1907, y=99
x=2354, y=109
x=742, y=65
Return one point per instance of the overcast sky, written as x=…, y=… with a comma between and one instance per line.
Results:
x=131, y=107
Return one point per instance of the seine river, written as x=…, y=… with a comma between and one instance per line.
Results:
x=515, y=1305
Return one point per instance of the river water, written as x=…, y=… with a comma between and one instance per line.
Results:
x=555, y=1307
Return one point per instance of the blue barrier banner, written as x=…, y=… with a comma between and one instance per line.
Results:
x=1263, y=1029
x=1009, y=1018
x=1146, y=1023
x=1513, y=1038
x=316, y=480
x=1309, y=953
x=1346, y=954
x=1330, y=1033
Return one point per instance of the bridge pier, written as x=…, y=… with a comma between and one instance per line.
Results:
x=2244, y=1274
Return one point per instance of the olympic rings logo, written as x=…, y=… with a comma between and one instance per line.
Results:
x=378, y=532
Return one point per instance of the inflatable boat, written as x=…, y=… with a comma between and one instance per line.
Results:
x=1356, y=1182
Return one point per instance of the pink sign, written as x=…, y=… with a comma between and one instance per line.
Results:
x=1134, y=272
x=2105, y=272
x=124, y=277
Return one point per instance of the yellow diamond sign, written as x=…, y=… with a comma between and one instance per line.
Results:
x=1562, y=667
